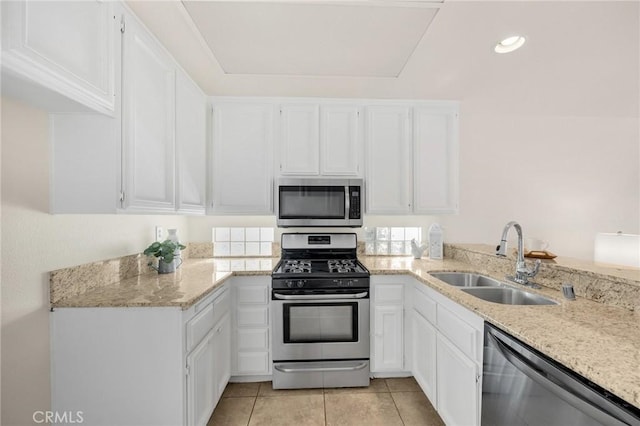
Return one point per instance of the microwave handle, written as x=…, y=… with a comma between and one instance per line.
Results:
x=347, y=202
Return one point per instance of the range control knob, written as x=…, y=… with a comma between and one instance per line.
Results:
x=300, y=283
x=289, y=283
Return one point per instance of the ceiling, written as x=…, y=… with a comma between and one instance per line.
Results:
x=581, y=58
x=310, y=39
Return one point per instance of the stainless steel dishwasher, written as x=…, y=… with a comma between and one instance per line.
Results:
x=522, y=386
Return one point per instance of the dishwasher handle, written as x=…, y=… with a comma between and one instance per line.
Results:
x=560, y=384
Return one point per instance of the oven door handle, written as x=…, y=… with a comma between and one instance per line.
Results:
x=320, y=296
x=319, y=369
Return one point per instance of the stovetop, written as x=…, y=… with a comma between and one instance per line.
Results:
x=319, y=261
x=320, y=266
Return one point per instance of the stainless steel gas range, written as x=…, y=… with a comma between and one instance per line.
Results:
x=320, y=313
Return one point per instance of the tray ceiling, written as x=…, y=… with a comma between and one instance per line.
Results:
x=312, y=39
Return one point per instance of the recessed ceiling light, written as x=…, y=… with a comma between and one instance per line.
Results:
x=509, y=44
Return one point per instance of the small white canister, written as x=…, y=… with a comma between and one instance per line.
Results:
x=435, y=242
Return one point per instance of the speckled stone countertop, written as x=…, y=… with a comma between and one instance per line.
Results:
x=193, y=281
x=597, y=340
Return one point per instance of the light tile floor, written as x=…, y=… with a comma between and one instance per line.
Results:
x=384, y=402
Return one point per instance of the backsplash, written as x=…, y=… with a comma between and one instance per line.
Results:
x=240, y=242
x=610, y=286
x=78, y=279
x=390, y=241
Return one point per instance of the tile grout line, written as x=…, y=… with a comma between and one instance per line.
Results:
x=254, y=404
x=396, y=407
x=324, y=405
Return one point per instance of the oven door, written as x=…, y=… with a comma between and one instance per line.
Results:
x=320, y=325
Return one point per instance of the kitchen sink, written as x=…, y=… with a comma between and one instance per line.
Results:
x=466, y=279
x=490, y=289
x=508, y=296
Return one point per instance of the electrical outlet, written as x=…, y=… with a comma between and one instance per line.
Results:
x=159, y=232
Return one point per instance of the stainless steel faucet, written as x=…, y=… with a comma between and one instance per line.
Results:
x=522, y=272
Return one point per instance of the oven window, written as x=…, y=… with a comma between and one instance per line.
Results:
x=322, y=322
x=312, y=202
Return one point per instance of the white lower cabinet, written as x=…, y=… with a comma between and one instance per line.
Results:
x=457, y=385
x=208, y=372
x=424, y=355
x=201, y=384
x=142, y=366
x=447, y=355
x=387, y=325
x=250, y=342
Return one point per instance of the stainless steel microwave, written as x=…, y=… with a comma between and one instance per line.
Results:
x=319, y=202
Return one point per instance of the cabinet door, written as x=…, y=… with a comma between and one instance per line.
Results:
x=388, y=146
x=201, y=386
x=148, y=122
x=299, y=140
x=340, y=140
x=65, y=46
x=222, y=355
x=388, y=353
x=435, y=160
x=458, y=385
x=191, y=134
x=242, y=158
x=424, y=355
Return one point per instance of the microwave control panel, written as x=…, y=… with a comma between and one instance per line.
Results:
x=354, y=202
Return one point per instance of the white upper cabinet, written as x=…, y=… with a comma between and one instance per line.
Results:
x=148, y=121
x=59, y=55
x=299, y=140
x=150, y=157
x=319, y=139
x=340, y=140
x=388, y=147
x=412, y=158
x=242, y=158
x=435, y=159
x=191, y=149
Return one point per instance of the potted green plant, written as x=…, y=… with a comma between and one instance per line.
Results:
x=166, y=254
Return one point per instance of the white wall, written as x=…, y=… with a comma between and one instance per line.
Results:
x=562, y=178
x=34, y=243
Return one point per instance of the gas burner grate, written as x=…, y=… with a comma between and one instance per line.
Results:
x=341, y=266
x=297, y=267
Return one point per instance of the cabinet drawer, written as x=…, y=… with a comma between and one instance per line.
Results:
x=253, y=316
x=199, y=326
x=253, y=339
x=253, y=362
x=221, y=306
x=389, y=293
x=256, y=295
x=457, y=331
x=424, y=305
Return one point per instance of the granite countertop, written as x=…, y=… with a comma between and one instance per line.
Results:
x=193, y=281
x=599, y=341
